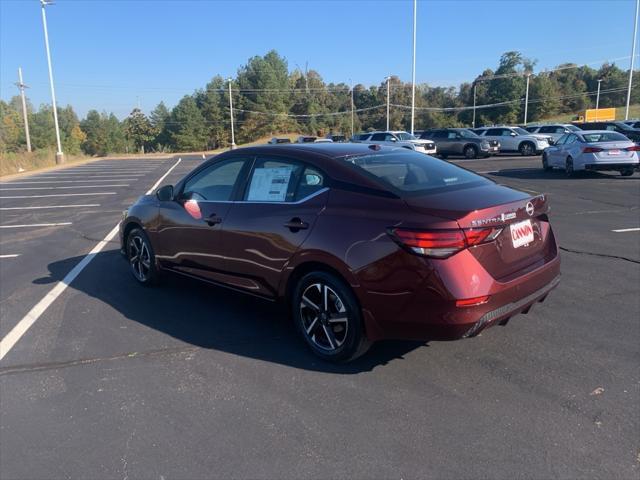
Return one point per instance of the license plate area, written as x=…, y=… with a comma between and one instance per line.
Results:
x=521, y=233
x=614, y=152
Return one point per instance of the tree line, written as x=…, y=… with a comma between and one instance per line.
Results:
x=270, y=99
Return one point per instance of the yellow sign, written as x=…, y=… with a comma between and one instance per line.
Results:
x=600, y=115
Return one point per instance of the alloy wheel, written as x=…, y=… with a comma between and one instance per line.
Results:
x=139, y=258
x=324, y=316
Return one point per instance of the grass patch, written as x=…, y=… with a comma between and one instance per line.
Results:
x=12, y=163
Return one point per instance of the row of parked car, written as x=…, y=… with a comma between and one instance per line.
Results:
x=610, y=145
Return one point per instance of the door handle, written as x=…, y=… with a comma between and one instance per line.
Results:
x=296, y=224
x=213, y=220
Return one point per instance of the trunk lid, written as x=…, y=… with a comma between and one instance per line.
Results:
x=525, y=241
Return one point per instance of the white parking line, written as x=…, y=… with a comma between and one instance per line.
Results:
x=624, y=230
x=63, y=188
x=37, y=225
x=13, y=255
x=61, y=195
x=51, y=206
x=62, y=176
x=68, y=181
x=16, y=333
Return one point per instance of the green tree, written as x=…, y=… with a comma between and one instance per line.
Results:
x=139, y=130
x=159, y=118
x=188, y=128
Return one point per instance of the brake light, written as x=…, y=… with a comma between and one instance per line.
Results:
x=444, y=243
x=472, y=302
x=591, y=150
x=635, y=148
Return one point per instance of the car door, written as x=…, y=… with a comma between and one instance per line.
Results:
x=189, y=231
x=263, y=230
x=554, y=152
x=572, y=148
x=504, y=138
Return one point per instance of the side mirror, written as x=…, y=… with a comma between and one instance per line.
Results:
x=394, y=139
x=513, y=134
x=165, y=193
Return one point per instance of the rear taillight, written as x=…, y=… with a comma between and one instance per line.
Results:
x=591, y=150
x=443, y=243
x=635, y=148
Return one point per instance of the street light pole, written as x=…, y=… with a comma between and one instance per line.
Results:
x=413, y=80
x=526, y=99
x=473, y=122
x=598, y=95
x=352, y=112
x=633, y=57
x=233, y=138
x=22, y=86
x=388, y=79
x=59, y=154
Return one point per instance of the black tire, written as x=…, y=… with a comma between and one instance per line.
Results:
x=470, y=152
x=626, y=172
x=142, y=259
x=527, y=149
x=332, y=328
x=545, y=163
x=568, y=167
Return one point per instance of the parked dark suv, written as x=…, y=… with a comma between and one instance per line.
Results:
x=361, y=242
x=615, y=126
x=461, y=141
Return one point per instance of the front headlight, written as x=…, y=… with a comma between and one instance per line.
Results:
x=484, y=145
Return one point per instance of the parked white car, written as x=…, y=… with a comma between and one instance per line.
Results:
x=554, y=130
x=592, y=150
x=515, y=139
x=400, y=138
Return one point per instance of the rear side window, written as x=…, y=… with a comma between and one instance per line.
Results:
x=280, y=180
x=604, y=137
x=409, y=172
x=496, y=132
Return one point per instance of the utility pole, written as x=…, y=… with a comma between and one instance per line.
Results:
x=413, y=80
x=633, y=57
x=233, y=138
x=352, y=111
x=22, y=86
x=598, y=96
x=388, y=79
x=526, y=99
x=473, y=122
x=59, y=154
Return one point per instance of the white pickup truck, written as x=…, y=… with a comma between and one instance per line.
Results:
x=399, y=139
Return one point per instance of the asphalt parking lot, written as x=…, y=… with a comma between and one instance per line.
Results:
x=190, y=381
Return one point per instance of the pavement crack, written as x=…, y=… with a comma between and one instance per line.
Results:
x=38, y=367
x=603, y=255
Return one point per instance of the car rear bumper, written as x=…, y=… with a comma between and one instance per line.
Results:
x=431, y=312
x=611, y=166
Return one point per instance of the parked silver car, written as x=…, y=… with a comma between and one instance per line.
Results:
x=553, y=130
x=592, y=150
x=515, y=139
x=400, y=138
x=461, y=141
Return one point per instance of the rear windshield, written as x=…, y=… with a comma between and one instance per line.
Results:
x=604, y=137
x=409, y=172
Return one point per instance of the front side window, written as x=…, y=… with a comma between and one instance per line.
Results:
x=215, y=183
x=496, y=132
x=405, y=136
x=408, y=173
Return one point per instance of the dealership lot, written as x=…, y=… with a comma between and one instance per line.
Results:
x=191, y=381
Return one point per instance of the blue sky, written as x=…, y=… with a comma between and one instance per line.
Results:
x=110, y=55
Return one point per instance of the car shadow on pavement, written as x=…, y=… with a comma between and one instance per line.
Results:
x=540, y=174
x=207, y=316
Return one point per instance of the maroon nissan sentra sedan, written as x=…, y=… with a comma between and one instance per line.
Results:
x=361, y=242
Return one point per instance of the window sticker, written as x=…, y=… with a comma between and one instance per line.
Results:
x=270, y=184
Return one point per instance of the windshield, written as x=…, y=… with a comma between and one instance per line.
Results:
x=405, y=136
x=407, y=173
x=604, y=137
x=573, y=128
x=520, y=131
x=623, y=126
x=467, y=133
